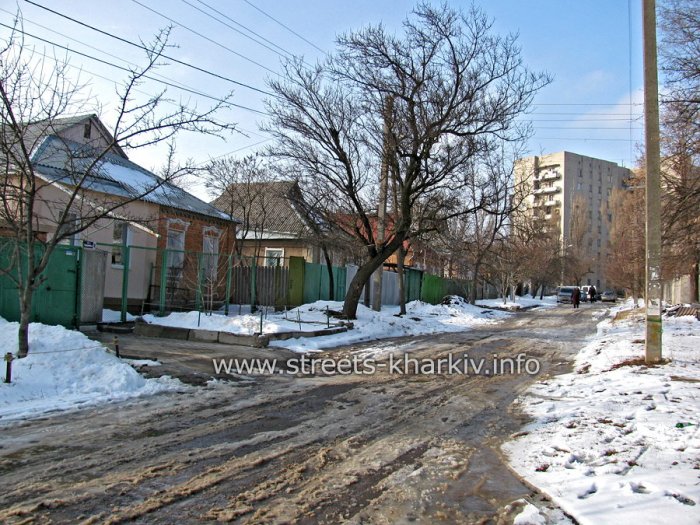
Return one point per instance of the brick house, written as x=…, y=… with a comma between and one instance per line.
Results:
x=156, y=216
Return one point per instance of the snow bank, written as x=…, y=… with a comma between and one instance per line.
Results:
x=65, y=370
x=616, y=442
x=549, y=301
x=113, y=316
x=421, y=318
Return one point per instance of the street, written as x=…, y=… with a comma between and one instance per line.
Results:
x=383, y=448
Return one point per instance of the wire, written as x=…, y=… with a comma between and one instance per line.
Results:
x=582, y=138
x=141, y=46
x=189, y=90
x=222, y=46
x=243, y=131
x=284, y=53
x=286, y=27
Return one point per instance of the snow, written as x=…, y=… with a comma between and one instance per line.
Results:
x=420, y=319
x=66, y=370
x=618, y=442
x=113, y=316
x=530, y=515
x=549, y=301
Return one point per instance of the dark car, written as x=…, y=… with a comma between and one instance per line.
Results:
x=608, y=296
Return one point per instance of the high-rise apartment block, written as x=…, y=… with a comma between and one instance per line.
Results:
x=564, y=184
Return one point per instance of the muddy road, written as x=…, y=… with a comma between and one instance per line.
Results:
x=385, y=448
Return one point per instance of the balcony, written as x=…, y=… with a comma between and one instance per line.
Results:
x=550, y=175
x=553, y=189
x=551, y=202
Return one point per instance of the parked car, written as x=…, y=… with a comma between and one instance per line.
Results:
x=609, y=296
x=584, y=293
x=564, y=294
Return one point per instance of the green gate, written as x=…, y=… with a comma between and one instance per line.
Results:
x=56, y=299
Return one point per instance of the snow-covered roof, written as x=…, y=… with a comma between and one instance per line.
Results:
x=65, y=162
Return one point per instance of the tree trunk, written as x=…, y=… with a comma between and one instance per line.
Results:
x=329, y=267
x=474, y=284
x=25, y=306
x=362, y=277
x=402, y=287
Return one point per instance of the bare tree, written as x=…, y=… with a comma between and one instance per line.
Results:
x=577, y=244
x=626, y=263
x=35, y=92
x=244, y=191
x=457, y=90
x=679, y=48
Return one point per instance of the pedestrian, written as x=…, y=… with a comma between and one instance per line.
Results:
x=576, y=297
x=591, y=294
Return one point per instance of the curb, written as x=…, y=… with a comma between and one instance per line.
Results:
x=211, y=336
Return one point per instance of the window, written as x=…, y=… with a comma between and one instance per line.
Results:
x=87, y=131
x=274, y=256
x=121, y=236
x=176, y=242
x=210, y=251
x=579, y=186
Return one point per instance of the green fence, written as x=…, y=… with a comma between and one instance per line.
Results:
x=56, y=299
x=317, y=283
x=434, y=288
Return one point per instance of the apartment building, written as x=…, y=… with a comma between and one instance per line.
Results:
x=565, y=186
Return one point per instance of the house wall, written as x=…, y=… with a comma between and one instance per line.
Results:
x=184, y=285
x=291, y=247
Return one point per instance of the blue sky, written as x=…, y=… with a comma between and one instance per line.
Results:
x=585, y=46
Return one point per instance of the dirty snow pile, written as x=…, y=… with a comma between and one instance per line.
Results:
x=616, y=441
x=66, y=370
x=421, y=318
x=525, y=301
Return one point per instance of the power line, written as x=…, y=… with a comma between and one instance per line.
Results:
x=284, y=53
x=141, y=46
x=117, y=66
x=222, y=46
x=243, y=131
x=583, y=138
x=589, y=104
x=285, y=26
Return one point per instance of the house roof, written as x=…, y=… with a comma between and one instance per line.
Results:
x=35, y=132
x=276, y=207
x=63, y=161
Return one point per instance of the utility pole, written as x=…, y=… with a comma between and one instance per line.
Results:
x=653, y=187
x=381, y=205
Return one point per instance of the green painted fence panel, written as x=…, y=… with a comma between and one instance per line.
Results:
x=433, y=289
x=412, y=284
x=313, y=274
x=56, y=300
x=296, y=281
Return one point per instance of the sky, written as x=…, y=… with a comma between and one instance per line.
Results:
x=592, y=50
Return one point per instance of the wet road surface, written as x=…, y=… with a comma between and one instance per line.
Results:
x=382, y=448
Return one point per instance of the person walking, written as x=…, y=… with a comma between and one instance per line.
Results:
x=591, y=294
x=576, y=297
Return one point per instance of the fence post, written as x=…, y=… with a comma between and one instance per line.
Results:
x=8, y=367
x=229, y=270
x=253, y=283
x=198, y=288
x=126, y=262
x=163, y=281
